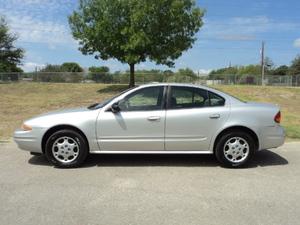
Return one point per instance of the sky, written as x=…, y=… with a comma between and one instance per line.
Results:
x=232, y=33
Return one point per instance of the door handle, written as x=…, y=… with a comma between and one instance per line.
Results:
x=214, y=116
x=154, y=118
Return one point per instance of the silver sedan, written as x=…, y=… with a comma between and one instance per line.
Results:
x=156, y=119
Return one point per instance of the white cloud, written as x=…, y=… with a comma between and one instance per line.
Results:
x=237, y=37
x=31, y=66
x=35, y=21
x=297, y=43
x=245, y=28
x=32, y=30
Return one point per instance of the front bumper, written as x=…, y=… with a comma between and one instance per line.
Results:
x=29, y=140
x=272, y=137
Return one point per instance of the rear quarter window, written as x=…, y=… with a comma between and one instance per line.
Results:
x=215, y=100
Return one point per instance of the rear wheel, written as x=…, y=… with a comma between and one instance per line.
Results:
x=66, y=149
x=235, y=149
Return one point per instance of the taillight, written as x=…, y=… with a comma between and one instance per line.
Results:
x=277, y=118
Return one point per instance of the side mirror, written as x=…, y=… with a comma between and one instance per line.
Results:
x=115, y=107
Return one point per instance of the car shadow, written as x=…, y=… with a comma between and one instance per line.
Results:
x=265, y=158
x=262, y=158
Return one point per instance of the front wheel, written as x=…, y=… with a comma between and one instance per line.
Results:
x=66, y=149
x=235, y=149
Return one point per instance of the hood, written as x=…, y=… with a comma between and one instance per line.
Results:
x=65, y=111
x=67, y=116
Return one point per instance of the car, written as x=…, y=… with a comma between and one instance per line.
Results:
x=161, y=118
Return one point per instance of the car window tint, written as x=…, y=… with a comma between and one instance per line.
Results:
x=144, y=99
x=186, y=97
x=216, y=100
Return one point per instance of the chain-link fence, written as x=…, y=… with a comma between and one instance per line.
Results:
x=269, y=80
x=141, y=78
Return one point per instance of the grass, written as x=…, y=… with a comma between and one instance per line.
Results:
x=288, y=98
x=20, y=101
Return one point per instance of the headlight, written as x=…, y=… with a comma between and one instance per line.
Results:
x=26, y=127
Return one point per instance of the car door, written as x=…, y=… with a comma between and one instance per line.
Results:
x=192, y=117
x=138, y=126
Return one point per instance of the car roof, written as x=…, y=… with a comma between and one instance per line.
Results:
x=174, y=84
x=182, y=85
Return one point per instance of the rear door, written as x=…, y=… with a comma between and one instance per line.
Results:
x=193, y=115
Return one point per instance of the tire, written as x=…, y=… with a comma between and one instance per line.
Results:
x=66, y=149
x=234, y=149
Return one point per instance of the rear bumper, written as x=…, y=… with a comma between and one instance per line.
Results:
x=29, y=140
x=272, y=137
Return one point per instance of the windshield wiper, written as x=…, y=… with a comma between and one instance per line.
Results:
x=93, y=106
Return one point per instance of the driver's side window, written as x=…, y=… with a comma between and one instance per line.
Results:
x=145, y=99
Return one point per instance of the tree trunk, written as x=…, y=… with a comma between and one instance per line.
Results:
x=131, y=82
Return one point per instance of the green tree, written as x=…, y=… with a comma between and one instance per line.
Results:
x=67, y=72
x=101, y=69
x=10, y=56
x=221, y=73
x=71, y=67
x=100, y=74
x=65, y=67
x=51, y=68
x=249, y=70
x=295, y=67
x=133, y=31
x=281, y=70
x=187, y=72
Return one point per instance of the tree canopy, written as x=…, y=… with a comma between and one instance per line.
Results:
x=295, y=67
x=100, y=74
x=65, y=67
x=71, y=67
x=255, y=70
x=101, y=69
x=235, y=70
x=10, y=56
x=281, y=70
x=133, y=31
x=187, y=72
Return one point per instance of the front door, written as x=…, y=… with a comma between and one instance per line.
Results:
x=193, y=116
x=139, y=126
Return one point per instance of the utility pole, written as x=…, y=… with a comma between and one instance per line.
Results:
x=263, y=63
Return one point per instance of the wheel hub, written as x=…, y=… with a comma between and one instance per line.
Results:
x=236, y=149
x=65, y=149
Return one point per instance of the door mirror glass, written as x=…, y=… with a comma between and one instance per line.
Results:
x=115, y=107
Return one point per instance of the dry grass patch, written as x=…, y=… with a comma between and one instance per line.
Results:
x=288, y=98
x=21, y=101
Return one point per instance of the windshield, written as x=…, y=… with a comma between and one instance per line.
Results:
x=105, y=102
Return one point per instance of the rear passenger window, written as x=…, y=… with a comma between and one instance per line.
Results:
x=186, y=97
x=216, y=100
x=189, y=97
